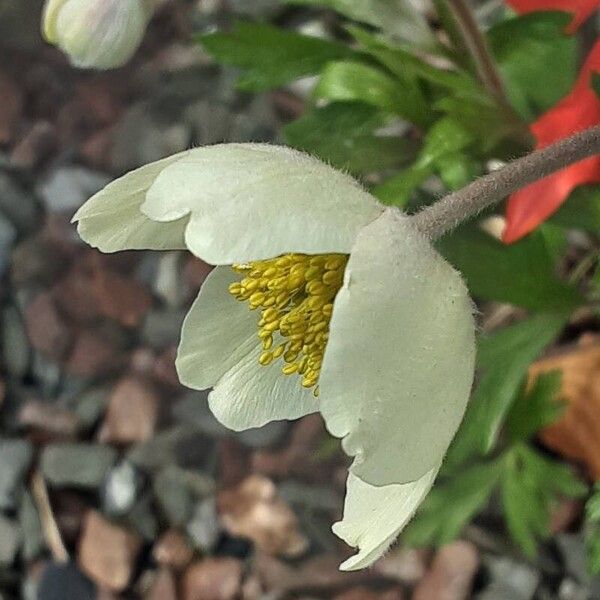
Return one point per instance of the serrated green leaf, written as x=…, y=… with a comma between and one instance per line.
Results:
x=535, y=408
x=522, y=273
x=342, y=134
x=452, y=504
x=271, y=56
x=531, y=486
x=355, y=81
x=581, y=210
x=503, y=358
x=399, y=19
x=538, y=61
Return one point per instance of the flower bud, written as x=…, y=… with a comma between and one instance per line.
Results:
x=101, y=34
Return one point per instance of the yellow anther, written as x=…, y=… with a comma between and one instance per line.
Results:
x=295, y=293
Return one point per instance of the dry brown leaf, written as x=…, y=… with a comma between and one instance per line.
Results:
x=577, y=434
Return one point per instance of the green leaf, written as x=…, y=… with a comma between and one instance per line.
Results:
x=531, y=486
x=342, y=134
x=538, y=61
x=522, y=273
x=581, y=210
x=592, y=531
x=503, y=358
x=401, y=62
x=271, y=56
x=400, y=19
x=451, y=504
x=355, y=81
x=535, y=408
x=445, y=139
x=596, y=83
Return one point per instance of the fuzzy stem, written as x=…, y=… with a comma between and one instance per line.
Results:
x=441, y=217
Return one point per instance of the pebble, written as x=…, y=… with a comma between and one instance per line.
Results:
x=204, y=528
x=107, y=552
x=10, y=107
x=90, y=405
x=10, y=541
x=50, y=418
x=77, y=465
x=92, y=355
x=18, y=206
x=407, y=565
x=8, y=236
x=16, y=353
x=15, y=459
x=132, y=413
x=120, y=489
x=65, y=582
x=34, y=543
x=35, y=147
x=45, y=327
x=164, y=586
x=173, y=550
x=572, y=549
x=174, y=495
x=212, y=579
x=68, y=187
x=451, y=573
x=142, y=518
x=162, y=327
x=510, y=580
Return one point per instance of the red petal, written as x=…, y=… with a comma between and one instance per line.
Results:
x=581, y=9
x=577, y=111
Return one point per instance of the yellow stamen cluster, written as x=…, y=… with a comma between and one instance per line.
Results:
x=295, y=294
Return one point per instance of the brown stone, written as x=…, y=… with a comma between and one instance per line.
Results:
x=108, y=552
x=407, y=565
x=49, y=418
x=195, y=272
x=46, y=329
x=95, y=151
x=173, y=550
x=163, y=587
x=37, y=145
x=451, y=574
x=11, y=106
x=358, y=593
x=92, y=354
x=72, y=294
x=254, y=510
x=212, y=579
x=577, y=434
x=132, y=412
x=120, y=298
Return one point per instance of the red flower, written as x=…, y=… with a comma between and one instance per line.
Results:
x=581, y=9
x=579, y=110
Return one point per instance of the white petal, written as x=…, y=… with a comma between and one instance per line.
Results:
x=111, y=220
x=217, y=333
x=250, y=395
x=374, y=516
x=399, y=363
x=256, y=201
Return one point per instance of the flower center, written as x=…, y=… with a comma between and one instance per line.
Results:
x=295, y=294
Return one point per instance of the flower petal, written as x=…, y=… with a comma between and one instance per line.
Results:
x=374, y=516
x=399, y=362
x=217, y=333
x=251, y=395
x=111, y=220
x=255, y=201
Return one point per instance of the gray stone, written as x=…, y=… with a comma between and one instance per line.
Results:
x=313, y=497
x=142, y=137
x=65, y=582
x=211, y=121
x=204, y=528
x=120, y=489
x=183, y=445
x=69, y=187
x=14, y=343
x=8, y=236
x=34, y=543
x=10, y=541
x=46, y=373
x=174, y=495
x=77, y=465
x=19, y=207
x=19, y=24
x=267, y=435
x=511, y=580
x=162, y=327
x=193, y=408
x=142, y=518
x=572, y=549
x=15, y=458
x=89, y=406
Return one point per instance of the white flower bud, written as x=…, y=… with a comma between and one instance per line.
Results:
x=101, y=34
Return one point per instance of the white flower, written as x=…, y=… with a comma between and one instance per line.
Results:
x=101, y=34
x=347, y=292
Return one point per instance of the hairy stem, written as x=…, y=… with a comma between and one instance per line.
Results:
x=441, y=217
x=477, y=46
